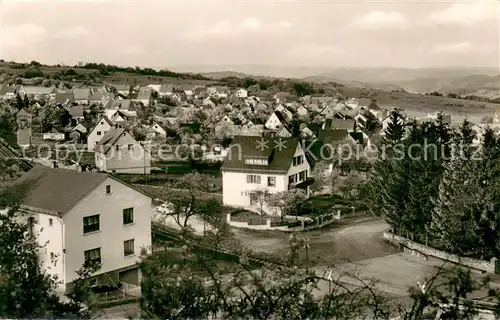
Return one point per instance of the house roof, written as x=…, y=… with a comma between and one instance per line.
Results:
x=143, y=95
x=37, y=90
x=105, y=118
x=80, y=128
x=62, y=97
x=96, y=96
x=109, y=139
x=23, y=112
x=339, y=124
x=76, y=111
x=279, y=159
x=280, y=117
x=82, y=94
x=6, y=89
x=331, y=136
x=374, y=106
x=166, y=88
x=58, y=189
x=118, y=104
x=122, y=87
x=363, y=102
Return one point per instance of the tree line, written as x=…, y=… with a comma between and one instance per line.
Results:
x=432, y=184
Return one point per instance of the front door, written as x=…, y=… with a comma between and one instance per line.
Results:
x=253, y=199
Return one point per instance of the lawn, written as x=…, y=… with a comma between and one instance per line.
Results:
x=323, y=204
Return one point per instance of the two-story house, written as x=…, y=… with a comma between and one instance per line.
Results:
x=262, y=163
x=84, y=217
x=95, y=135
x=276, y=120
x=118, y=151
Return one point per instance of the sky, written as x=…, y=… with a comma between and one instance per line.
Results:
x=332, y=33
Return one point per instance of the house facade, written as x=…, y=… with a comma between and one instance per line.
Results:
x=84, y=217
x=248, y=168
x=95, y=135
x=118, y=151
x=275, y=121
x=241, y=93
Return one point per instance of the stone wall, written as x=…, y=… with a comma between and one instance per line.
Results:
x=482, y=265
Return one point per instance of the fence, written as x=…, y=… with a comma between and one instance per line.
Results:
x=482, y=265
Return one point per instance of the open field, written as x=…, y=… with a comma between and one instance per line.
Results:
x=419, y=105
x=115, y=78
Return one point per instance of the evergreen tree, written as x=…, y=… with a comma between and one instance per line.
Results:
x=395, y=129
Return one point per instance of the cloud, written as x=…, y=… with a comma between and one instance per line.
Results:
x=381, y=20
x=74, y=32
x=467, y=13
x=312, y=50
x=247, y=26
x=459, y=48
x=21, y=35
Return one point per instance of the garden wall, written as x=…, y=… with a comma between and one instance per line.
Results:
x=482, y=265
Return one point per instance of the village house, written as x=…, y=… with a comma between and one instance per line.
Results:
x=218, y=92
x=123, y=89
x=118, y=151
x=241, y=93
x=250, y=167
x=144, y=97
x=84, y=217
x=155, y=131
x=37, y=93
x=64, y=97
x=95, y=135
x=96, y=97
x=7, y=92
x=53, y=135
x=166, y=90
x=82, y=96
x=275, y=121
x=339, y=124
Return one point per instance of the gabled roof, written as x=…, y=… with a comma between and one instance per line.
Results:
x=331, y=136
x=80, y=128
x=166, y=88
x=118, y=104
x=82, y=94
x=76, y=111
x=143, y=95
x=38, y=90
x=103, y=118
x=96, y=96
x=109, y=139
x=339, y=124
x=280, y=117
x=23, y=112
x=6, y=89
x=62, y=97
x=58, y=190
x=374, y=106
x=279, y=159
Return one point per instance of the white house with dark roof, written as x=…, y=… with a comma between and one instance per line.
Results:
x=100, y=129
x=262, y=163
x=84, y=217
x=118, y=151
x=276, y=120
x=241, y=93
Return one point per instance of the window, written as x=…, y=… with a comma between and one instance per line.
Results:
x=52, y=256
x=292, y=179
x=117, y=147
x=252, y=178
x=102, y=122
x=31, y=225
x=108, y=189
x=92, y=282
x=128, y=247
x=98, y=133
x=260, y=162
x=271, y=181
x=298, y=160
x=92, y=256
x=302, y=175
x=128, y=216
x=91, y=224
x=51, y=222
x=130, y=147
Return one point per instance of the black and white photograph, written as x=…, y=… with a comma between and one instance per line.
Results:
x=250, y=159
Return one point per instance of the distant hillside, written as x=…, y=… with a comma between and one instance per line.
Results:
x=94, y=73
x=352, y=83
x=217, y=75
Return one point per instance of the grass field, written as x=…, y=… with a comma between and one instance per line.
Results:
x=418, y=105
